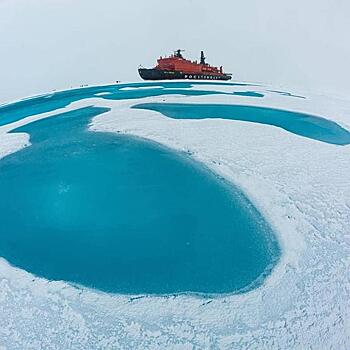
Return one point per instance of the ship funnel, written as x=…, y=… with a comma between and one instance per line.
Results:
x=202, y=57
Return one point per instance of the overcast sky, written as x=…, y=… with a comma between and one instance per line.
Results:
x=55, y=44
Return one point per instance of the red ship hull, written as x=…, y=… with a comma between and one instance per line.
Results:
x=157, y=74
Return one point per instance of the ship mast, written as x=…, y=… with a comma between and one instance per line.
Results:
x=202, y=57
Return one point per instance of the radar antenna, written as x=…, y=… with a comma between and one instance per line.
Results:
x=177, y=53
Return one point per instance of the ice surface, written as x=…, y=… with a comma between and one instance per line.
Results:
x=305, y=125
x=300, y=185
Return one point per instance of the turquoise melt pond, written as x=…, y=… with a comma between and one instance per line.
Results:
x=125, y=215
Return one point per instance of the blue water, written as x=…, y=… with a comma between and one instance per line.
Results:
x=48, y=103
x=124, y=215
x=301, y=124
x=248, y=93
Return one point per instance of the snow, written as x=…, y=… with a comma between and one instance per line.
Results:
x=131, y=88
x=300, y=185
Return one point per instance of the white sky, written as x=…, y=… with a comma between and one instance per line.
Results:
x=54, y=44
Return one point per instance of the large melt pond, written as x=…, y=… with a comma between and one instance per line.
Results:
x=125, y=215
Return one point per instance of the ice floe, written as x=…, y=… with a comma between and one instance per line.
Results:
x=301, y=186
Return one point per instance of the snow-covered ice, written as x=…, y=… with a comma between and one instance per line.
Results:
x=301, y=186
